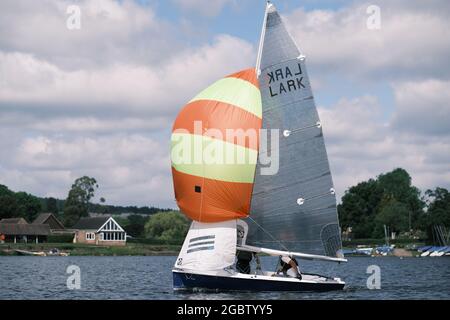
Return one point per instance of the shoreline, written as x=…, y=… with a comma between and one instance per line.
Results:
x=135, y=249
x=131, y=249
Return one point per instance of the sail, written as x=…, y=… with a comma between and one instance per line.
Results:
x=295, y=209
x=215, y=149
x=208, y=246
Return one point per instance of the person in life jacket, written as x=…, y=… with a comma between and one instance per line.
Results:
x=288, y=263
x=243, y=261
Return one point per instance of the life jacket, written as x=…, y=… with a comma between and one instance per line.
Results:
x=287, y=265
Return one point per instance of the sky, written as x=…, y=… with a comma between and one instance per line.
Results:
x=100, y=100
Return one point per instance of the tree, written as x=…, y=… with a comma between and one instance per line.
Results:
x=167, y=226
x=370, y=204
x=20, y=204
x=438, y=213
x=393, y=214
x=358, y=208
x=29, y=205
x=135, y=230
x=135, y=225
x=137, y=219
x=52, y=205
x=439, y=206
x=8, y=203
x=78, y=199
x=397, y=184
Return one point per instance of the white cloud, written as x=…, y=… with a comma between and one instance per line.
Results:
x=145, y=89
x=362, y=144
x=348, y=119
x=119, y=163
x=423, y=107
x=111, y=32
x=411, y=43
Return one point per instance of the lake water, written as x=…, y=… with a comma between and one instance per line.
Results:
x=151, y=278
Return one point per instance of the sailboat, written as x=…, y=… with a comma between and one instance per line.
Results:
x=283, y=208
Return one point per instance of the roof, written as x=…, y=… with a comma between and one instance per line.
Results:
x=90, y=223
x=24, y=229
x=14, y=221
x=40, y=219
x=43, y=217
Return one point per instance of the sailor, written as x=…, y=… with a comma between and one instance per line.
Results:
x=243, y=261
x=288, y=263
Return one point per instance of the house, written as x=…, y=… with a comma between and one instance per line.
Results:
x=99, y=231
x=14, y=221
x=19, y=230
x=51, y=220
x=23, y=232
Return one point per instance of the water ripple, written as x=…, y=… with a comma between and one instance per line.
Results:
x=150, y=278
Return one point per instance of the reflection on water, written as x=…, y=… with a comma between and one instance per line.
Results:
x=151, y=278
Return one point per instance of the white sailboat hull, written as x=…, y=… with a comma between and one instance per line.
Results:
x=230, y=280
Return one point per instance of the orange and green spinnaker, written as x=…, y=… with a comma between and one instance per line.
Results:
x=215, y=141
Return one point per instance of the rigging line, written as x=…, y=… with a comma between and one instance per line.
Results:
x=269, y=234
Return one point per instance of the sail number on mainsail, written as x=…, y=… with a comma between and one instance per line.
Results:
x=285, y=80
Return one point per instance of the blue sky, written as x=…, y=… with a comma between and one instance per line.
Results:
x=101, y=100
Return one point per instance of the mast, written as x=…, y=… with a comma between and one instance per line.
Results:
x=269, y=6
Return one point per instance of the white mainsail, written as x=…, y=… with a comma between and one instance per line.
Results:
x=295, y=209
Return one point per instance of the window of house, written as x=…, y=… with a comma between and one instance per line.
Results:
x=90, y=236
x=112, y=236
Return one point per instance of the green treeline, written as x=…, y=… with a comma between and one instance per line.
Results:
x=145, y=224
x=77, y=204
x=389, y=200
x=18, y=204
x=163, y=227
x=392, y=200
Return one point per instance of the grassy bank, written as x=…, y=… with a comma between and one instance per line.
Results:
x=131, y=249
